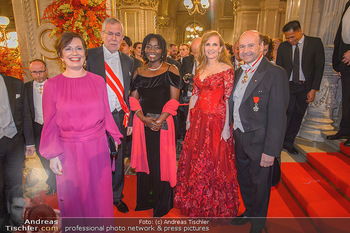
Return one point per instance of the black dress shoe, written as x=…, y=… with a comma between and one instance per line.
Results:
x=258, y=230
x=121, y=206
x=336, y=136
x=50, y=190
x=240, y=220
x=291, y=150
x=347, y=142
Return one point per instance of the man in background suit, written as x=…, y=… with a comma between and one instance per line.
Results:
x=117, y=69
x=303, y=58
x=34, y=91
x=125, y=47
x=341, y=64
x=236, y=60
x=16, y=130
x=258, y=105
x=187, y=72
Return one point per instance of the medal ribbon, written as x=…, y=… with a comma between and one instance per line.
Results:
x=256, y=99
x=113, y=81
x=249, y=70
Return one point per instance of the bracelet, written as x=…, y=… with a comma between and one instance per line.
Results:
x=137, y=111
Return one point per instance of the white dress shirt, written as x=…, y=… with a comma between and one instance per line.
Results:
x=7, y=124
x=301, y=46
x=113, y=60
x=239, y=93
x=38, y=101
x=345, y=31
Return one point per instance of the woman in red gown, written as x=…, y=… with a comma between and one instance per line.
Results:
x=206, y=177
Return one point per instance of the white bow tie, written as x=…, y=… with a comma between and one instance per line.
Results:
x=246, y=67
x=112, y=55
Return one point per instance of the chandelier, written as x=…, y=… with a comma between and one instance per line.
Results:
x=196, y=6
x=7, y=39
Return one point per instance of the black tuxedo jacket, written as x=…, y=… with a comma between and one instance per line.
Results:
x=187, y=65
x=312, y=61
x=137, y=63
x=29, y=91
x=270, y=84
x=19, y=108
x=95, y=63
x=186, y=68
x=340, y=47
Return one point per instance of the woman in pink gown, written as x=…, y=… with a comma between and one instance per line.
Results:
x=76, y=117
x=206, y=177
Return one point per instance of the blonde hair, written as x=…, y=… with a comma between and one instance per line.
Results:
x=223, y=55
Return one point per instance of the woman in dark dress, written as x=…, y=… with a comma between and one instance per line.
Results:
x=154, y=97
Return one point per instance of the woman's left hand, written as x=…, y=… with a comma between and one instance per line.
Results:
x=225, y=134
x=158, y=125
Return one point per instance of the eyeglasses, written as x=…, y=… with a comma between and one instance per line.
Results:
x=40, y=72
x=118, y=34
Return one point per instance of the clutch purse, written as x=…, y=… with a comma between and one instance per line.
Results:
x=155, y=116
x=111, y=146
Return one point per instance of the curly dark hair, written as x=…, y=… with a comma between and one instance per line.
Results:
x=161, y=43
x=268, y=41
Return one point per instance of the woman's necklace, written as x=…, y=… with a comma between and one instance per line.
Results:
x=154, y=69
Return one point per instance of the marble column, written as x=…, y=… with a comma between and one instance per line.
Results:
x=272, y=17
x=266, y=16
x=320, y=19
x=138, y=17
x=33, y=35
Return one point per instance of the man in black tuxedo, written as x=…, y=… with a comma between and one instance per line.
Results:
x=303, y=58
x=34, y=91
x=187, y=71
x=341, y=64
x=258, y=105
x=117, y=69
x=16, y=130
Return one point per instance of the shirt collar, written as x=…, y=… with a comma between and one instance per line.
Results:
x=36, y=84
x=108, y=54
x=301, y=41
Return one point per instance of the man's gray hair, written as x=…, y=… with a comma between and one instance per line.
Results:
x=112, y=20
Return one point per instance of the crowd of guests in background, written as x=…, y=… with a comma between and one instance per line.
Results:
x=201, y=93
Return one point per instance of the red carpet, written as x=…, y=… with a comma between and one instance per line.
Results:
x=316, y=195
x=345, y=149
x=282, y=203
x=334, y=166
x=282, y=206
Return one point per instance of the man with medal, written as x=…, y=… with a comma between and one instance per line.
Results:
x=258, y=105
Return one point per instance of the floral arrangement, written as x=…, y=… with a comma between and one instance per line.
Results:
x=80, y=16
x=10, y=60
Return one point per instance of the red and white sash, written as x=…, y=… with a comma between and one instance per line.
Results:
x=114, y=83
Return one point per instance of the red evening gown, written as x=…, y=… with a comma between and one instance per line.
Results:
x=206, y=177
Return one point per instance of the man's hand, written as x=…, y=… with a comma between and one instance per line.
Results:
x=311, y=96
x=128, y=131
x=30, y=150
x=346, y=58
x=266, y=160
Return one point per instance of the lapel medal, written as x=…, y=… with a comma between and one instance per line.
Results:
x=244, y=79
x=256, y=100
